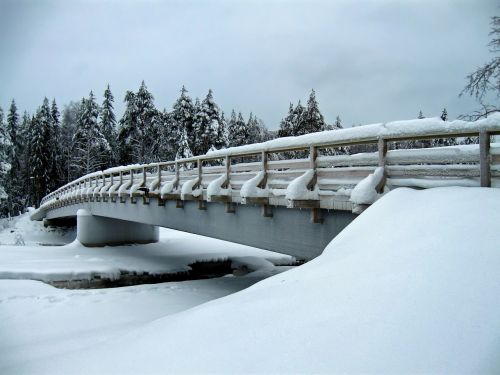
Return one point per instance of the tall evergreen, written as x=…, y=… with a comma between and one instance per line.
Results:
x=107, y=126
x=89, y=144
x=4, y=165
x=312, y=118
x=207, y=126
x=182, y=116
x=140, y=128
x=56, y=177
x=420, y=115
x=14, y=184
x=40, y=157
x=254, y=129
x=286, y=124
x=444, y=115
x=69, y=122
x=237, y=129
x=298, y=123
x=183, y=149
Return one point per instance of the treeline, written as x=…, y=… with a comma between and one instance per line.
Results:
x=42, y=151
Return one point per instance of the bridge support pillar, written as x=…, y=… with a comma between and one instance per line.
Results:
x=100, y=231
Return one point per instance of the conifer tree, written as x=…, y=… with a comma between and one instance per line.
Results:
x=286, y=124
x=182, y=116
x=312, y=118
x=183, y=149
x=107, y=127
x=238, y=131
x=298, y=123
x=89, y=144
x=14, y=183
x=69, y=122
x=444, y=115
x=4, y=165
x=40, y=156
x=207, y=126
x=56, y=177
x=420, y=115
x=254, y=129
x=140, y=128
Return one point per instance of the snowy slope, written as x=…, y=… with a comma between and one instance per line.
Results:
x=412, y=285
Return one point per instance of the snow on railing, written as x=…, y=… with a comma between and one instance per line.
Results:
x=327, y=179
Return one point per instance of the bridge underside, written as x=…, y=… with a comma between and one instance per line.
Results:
x=288, y=231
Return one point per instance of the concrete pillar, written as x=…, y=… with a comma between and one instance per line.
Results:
x=100, y=231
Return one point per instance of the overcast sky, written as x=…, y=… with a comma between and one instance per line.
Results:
x=369, y=61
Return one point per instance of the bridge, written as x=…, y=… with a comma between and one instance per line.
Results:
x=291, y=195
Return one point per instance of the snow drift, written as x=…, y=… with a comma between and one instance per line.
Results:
x=412, y=285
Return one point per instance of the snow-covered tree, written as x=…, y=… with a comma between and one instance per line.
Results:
x=286, y=124
x=107, y=126
x=14, y=183
x=420, y=115
x=69, y=122
x=182, y=115
x=237, y=129
x=89, y=144
x=40, y=155
x=444, y=115
x=207, y=126
x=183, y=149
x=312, y=118
x=56, y=177
x=140, y=128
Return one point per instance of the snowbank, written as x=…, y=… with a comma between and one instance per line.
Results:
x=412, y=285
x=365, y=191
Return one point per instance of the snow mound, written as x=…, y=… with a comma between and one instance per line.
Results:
x=365, y=191
x=411, y=285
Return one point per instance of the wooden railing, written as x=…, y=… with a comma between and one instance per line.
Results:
x=228, y=176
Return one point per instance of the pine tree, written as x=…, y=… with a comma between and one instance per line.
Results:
x=70, y=116
x=286, y=124
x=444, y=115
x=107, y=126
x=207, y=126
x=420, y=115
x=254, y=130
x=24, y=137
x=182, y=116
x=14, y=183
x=183, y=150
x=40, y=156
x=56, y=177
x=140, y=128
x=89, y=144
x=338, y=123
x=4, y=165
x=238, y=131
x=313, y=120
x=298, y=123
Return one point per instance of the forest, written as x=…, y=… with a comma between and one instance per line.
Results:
x=42, y=151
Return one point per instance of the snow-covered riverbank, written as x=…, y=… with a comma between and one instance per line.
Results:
x=412, y=285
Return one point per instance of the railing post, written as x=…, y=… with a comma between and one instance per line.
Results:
x=177, y=175
x=484, y=158
x=264, y=160
x=382, y=159
x=313, y=155
x=143, y=176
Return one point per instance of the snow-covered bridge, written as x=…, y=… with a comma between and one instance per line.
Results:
x=291, y=195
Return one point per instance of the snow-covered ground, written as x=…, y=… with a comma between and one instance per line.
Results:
x=412, y=285
x=175, y=251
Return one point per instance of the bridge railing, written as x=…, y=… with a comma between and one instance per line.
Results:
x=304, y=171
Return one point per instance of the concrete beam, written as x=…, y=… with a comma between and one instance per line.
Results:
x=100, y=231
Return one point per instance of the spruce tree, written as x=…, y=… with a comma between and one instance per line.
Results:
x=69, y=122
x=14, y=183
x=238, y=130
x=40, y=156
x=420, y=115
x=286, y=124
x=182, y=116
x=140, y=128
x=89, y=144
x=4, y=165
x=312, y=118
x=444, y=115
x=254, y=129
x=183, y=149
x=207, y=126
x=56, y=177
x=107, y=126
x=298, y=123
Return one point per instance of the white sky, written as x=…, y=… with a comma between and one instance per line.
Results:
x=369, y=61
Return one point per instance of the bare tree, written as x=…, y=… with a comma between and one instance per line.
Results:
x=486, y=79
